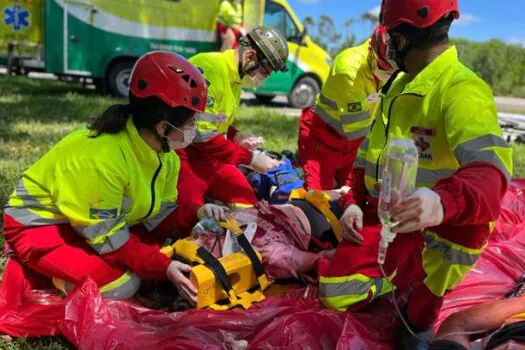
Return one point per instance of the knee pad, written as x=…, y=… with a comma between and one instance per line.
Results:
x=122, y=288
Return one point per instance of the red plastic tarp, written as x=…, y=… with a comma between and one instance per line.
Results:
x=296, y=320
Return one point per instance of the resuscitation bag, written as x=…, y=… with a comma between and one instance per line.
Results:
x=276, y=185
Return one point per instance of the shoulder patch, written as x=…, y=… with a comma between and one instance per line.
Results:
x=355, y=107
x=210, y=101
x=102, y=214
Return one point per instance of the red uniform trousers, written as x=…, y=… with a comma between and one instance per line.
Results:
x=210, y=169
x=326, y=156
x=58, y=251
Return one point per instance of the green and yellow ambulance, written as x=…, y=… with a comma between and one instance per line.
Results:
x=101, y=39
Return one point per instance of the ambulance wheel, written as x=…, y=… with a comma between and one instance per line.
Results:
x=118, y=79
x=304, y=92
x=264, y=99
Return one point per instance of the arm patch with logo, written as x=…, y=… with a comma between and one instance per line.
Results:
x=355, y=107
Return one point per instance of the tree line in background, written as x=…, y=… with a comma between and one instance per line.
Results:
x=500, y=64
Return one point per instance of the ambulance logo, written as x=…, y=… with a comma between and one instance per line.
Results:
x=17, y=17
x=423, y=138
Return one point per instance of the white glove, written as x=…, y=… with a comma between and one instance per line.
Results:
x=421, y=210
x=335, y=195
x=186, y=289
x=351, y=221
x=218, y=212
x=248, y=141
x=261, y=163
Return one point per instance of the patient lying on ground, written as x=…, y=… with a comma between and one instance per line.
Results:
x=283, y=236
x=291, y=238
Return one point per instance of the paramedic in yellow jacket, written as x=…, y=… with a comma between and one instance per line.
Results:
x=209, y=165
x=229, y=24
x=102, y=200
x=464, y=169
x=331, y=132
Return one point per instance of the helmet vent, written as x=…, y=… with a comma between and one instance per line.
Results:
x=193, y=84
x=423, y=12
x=186, y=78
x=195, y=100
x=142, y=84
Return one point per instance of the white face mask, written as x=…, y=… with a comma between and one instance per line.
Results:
x=254, y=81
x=380, y=74
x=189, y=135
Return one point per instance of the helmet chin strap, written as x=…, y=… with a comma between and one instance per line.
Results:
x=164, y=145
x=163, y=139
x=240, y=70
x=242, y=48
x=244, y=44
x=399, y=55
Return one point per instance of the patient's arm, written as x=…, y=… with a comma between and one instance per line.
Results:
x=485, y=317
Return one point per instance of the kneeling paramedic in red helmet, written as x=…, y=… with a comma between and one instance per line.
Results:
x=331, y=132
x=209, y=165
x=464, y=169
x=103, y=199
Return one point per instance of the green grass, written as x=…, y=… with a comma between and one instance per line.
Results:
x=48, y=343
x=279, y=131
x=35, y=114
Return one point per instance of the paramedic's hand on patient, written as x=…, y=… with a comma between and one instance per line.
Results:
x=186, y=289
x=352, y=220
x=421, y=210
x=261, y=163
x=248, y=141
x=218, y=212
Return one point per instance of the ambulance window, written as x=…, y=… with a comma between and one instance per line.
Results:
x=276, y=16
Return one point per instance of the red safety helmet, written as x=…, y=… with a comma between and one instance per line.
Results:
x=171, y=78
x=417, y=13
x=378, y=45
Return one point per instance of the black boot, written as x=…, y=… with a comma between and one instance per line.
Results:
x=419, y=341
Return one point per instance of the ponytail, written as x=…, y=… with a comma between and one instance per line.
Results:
x=145, y=112
x=112, y=121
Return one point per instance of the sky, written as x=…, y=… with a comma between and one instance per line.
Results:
x=480, y=19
